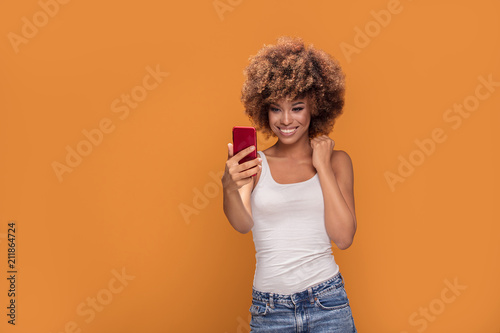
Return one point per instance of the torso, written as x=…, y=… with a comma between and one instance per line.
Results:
x=288, y=171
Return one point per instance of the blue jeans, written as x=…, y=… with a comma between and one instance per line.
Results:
x=323, y=307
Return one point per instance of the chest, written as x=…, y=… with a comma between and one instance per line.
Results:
x=299, y=201
x=288, y=172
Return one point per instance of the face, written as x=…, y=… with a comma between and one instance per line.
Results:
x=289, y=120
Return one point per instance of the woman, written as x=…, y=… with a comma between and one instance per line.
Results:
x=301, y=197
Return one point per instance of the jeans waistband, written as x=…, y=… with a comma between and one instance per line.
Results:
x=334, y=282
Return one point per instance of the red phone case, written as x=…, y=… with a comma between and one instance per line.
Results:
x=243, y=137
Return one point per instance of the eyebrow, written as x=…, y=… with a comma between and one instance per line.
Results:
x=292, y=104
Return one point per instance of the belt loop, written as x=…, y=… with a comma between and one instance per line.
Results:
x=309, y=290
x=271, y=302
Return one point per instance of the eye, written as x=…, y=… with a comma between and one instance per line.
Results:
x=298, y=109
x=273, y=109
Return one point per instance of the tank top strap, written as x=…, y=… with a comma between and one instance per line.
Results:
x=264, y=158
x=264, y=172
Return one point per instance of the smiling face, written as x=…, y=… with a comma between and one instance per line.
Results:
x=289, y=120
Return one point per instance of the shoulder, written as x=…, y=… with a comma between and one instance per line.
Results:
x=341, y=162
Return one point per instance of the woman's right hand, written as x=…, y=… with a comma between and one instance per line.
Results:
x=236, y=175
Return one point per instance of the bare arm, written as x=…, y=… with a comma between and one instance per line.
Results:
x=237, y=208
x=237, y=184
x=338, y=194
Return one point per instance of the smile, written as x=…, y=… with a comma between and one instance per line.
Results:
x=288, y=131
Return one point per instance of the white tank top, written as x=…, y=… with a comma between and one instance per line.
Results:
x=293, y=250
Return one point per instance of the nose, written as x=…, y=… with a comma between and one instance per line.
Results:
x=286, y=118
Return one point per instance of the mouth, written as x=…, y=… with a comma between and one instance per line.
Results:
x=288, y=131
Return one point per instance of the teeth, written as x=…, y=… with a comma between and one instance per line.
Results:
x=288, y=131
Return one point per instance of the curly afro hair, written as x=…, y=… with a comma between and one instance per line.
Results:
x=290, y=70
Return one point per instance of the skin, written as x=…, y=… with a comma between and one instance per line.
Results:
x=292, y=159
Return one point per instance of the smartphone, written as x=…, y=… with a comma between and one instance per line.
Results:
x=243, y=137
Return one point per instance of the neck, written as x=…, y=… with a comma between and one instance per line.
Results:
x=298, y=149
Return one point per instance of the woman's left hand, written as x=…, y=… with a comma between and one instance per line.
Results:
x=322, y=151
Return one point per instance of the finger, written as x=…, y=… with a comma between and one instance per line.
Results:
x=243, y=176
x=251, y=163
x=250, y=172
x=229, y=150
x=241, y=154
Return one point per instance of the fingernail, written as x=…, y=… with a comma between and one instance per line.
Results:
x=252, y=147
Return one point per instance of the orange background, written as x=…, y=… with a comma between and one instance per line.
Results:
x=120, y=207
